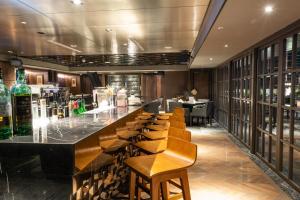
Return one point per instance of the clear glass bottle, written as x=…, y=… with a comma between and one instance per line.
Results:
x=21, y=105
x=5, y=111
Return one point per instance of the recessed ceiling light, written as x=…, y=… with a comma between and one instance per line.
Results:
x=23, y=22
x=77, y=2
x=107, y=62
x=268, y=9
x=10, y=51
x=210, y=59
x=168, y=47
x=108, y=30
x=125, y=44
x=226, y=45
x=220, y=28
x=91, y=62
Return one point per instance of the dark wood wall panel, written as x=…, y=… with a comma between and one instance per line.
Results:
x=201, y=80
x=175, y=83
x=32, y=74
x=9, y=74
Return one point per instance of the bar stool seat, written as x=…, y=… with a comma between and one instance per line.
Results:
x=127, y=134
x=152, y=147
x=156, y=135
x=159, y=127
x=144, y=117
x=160, y=168
x=152, y=165
x=166, y=114
x=163, y=117
x=113, y=145
x=160, y=122
x=147, y=114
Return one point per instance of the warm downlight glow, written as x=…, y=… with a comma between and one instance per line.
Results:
x=268, y=9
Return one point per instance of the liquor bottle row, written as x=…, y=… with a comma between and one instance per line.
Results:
x=18, y=109
x=15, y=107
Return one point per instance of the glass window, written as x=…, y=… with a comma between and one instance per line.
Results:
x=286, y=125
x=288, y=52
x=268, y=64
x=275, y=59
x=267, y=93
x=266, y=147
x=297, y=90
x=266, y=118
x=297, y=129
x=298, y=51
x=260, y=89
x=296, y=166
x=287, y=89
x=259, y=116
x=273, y=151
x=285, y=160
x=274, y=89
x=274, y=120
x=259, y=142
x=262, y=62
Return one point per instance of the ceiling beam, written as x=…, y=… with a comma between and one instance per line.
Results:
x=107, y=69
x=212, y=13
x=153, y=68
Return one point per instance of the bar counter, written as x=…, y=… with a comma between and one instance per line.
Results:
x=34, y=167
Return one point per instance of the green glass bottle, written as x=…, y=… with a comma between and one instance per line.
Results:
x=21, y=105
x=5, y=111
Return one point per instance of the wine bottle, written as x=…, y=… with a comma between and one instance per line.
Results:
x=21, y=105
x=5, y=111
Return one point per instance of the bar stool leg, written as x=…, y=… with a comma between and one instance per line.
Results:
x=132, y=185
x=165, y=190
x=185, y=185
x=154, y=189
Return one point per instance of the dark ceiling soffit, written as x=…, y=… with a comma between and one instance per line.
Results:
x=130, y=68
x=212, y=13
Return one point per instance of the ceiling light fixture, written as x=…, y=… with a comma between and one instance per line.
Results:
x=168, y=47
x=125, y=44
x=23, y=22
x=268, y=9
x=210, y=59
x=108, y=30
x=77, y=2
x=10, y=52
x=220, y=28
x=64, y=46
x=226, y=45
x=107, y=62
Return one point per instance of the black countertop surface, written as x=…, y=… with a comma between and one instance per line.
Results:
x=72, y=129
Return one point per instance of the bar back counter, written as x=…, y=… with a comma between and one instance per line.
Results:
x=43, y=165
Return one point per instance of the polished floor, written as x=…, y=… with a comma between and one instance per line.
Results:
x=224, y=172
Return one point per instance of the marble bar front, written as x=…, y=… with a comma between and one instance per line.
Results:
x=53, y=154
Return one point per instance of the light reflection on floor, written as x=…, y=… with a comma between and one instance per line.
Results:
x=223, y=172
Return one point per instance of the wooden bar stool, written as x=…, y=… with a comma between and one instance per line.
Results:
x=157, y=146
x=91, y=177
x=161, y=127
x=159, y=168
x=155, y=135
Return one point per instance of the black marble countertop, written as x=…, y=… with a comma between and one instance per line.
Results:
x=73, y=129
